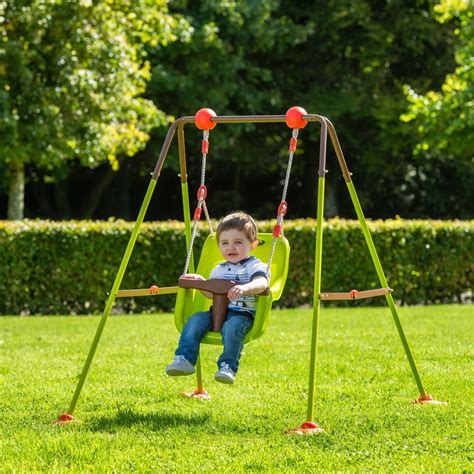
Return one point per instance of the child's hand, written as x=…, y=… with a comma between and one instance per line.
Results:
x=193, y=276
x=236, y=292
x=254, y=287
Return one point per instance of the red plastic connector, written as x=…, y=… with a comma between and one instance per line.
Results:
x=197, y=214
x=277, y=230
x=293, y=143
x=154, y=290
x=202, y=192
x=282, y=208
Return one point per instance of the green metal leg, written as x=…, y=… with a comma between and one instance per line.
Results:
x=316, y=301
x=187, y=225
x=199, y=375
x=113, y=292
x=383, y=281
x=187, y=220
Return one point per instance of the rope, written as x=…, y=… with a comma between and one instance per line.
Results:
x=190, y=249
x=201, y=195
x=209, y=222
x=282, y=208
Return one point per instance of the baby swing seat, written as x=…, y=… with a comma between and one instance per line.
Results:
x=190, y=301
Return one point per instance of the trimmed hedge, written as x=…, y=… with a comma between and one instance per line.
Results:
x=68, y=267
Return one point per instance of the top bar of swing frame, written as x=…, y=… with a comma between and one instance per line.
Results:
x=251, y=119
x=180, y=122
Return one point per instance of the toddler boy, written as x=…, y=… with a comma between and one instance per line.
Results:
x=236, y=237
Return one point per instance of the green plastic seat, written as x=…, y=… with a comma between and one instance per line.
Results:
x=189, y=301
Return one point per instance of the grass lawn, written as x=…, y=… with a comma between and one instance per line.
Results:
x=132, y=417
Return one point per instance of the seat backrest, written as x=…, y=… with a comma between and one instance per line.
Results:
x=191, y=301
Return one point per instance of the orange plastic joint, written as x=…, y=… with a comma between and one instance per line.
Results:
x=154, y=290
x=354, y=294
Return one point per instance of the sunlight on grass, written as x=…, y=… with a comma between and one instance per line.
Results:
x=132, y=416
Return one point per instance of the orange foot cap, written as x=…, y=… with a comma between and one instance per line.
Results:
x=202, y=394
x=428, y=400
x=64, y=419
x=308, y=427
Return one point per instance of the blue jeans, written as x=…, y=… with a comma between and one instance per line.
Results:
x=233, y=332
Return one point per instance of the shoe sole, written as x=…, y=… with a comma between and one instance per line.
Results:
x=174, y=372
x=223, y=379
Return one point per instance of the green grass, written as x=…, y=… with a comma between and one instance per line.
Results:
x=132, y=417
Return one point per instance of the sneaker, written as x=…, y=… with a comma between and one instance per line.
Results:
x=225, y=374
x=180, y=366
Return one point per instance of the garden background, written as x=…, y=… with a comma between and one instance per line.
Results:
x=88, y=90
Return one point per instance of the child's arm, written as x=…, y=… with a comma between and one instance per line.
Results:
x=196, y=276
x=254, y=287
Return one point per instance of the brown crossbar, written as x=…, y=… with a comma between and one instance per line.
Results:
x=354, y=294
x=152, y=291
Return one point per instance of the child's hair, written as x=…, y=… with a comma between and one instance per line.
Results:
x=241, y=221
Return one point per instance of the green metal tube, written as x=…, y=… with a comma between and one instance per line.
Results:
x=383, y=281
x=187, y=220
x=187, y=226
x=316, y=301
x=113, y=292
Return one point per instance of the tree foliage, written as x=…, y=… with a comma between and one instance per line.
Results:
x=444, y=121
x=72, y=74
x=445, y=118
x=346, y=59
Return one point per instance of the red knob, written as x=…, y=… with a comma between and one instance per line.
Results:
x=294, y=117
x=202, y=119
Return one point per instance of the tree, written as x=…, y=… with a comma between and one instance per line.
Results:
x=344, y=59
x=444, y=121
x=71, y=76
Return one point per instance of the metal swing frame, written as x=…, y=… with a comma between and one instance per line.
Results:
x=309, y=426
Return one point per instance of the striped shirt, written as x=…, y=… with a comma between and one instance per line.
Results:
x=242, y=272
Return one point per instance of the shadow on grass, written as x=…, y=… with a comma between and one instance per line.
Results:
x=125, y=418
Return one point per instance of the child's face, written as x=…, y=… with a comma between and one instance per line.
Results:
x=235, y=245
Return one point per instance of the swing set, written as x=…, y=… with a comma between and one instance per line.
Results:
x=273, y=248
